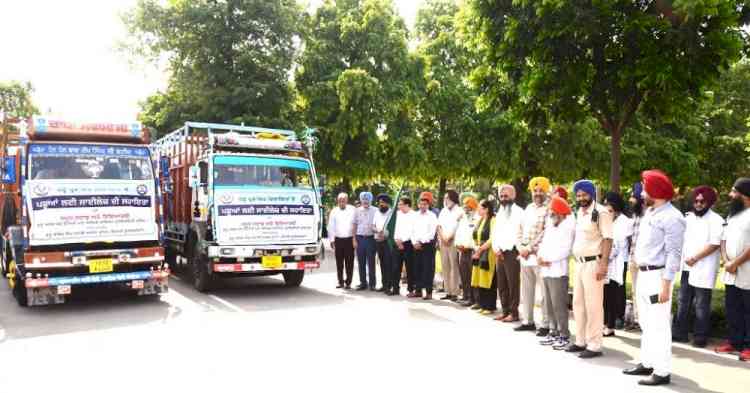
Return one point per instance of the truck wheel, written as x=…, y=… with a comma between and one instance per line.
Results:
x=17, y=285
x=202, y=280
x=293, y=278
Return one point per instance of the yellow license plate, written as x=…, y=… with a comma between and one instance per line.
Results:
x=271, y=261
x=100, y=265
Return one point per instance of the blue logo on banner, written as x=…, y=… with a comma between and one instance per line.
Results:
x=9, y=171
x=40, y=124
x=135, y=129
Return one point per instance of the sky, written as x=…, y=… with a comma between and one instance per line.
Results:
x=67, y=50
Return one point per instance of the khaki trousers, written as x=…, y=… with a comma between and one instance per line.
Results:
x=588, y=306
x=633, y=268
x=451, y=272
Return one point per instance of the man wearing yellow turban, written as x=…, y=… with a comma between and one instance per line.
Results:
x=540, y=182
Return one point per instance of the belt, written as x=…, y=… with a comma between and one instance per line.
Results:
x=588, y=259
x=646, y=268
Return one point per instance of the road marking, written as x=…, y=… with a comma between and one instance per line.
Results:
x=226, y=304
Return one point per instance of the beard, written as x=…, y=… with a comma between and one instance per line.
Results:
x=585, y=203
x=700, y=213
x=505, y=202
x=383, y=209
x=637, y=208
x=648, y=202
x=737, y=206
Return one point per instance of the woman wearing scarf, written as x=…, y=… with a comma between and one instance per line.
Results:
x=483, y=269
x=614, y=289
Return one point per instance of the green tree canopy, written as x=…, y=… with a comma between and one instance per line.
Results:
x=229, y=61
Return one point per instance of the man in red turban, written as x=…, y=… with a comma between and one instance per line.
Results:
x=658, y=254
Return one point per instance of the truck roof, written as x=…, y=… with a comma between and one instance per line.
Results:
x=40, y=128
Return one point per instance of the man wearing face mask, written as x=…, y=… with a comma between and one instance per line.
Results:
x=591, y=248
x=379, y=225
x=504, y=237
x=529, y=238
x=700, y=264
x=636, y=205
x=658, y=254
x=365, y=241
x=735, y=249
x=446, y=230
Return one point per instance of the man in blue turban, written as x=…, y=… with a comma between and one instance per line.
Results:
x=364, y=219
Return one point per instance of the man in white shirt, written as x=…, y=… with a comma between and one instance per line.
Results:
x=554, y=251
x=736, y=252
x=700, y=265
x=385, y=255
x=447, y=226
x=404, y=251
x=341, y=236
x=364, y=217
x=532, y=229
x=423, y=239
x=505, y=234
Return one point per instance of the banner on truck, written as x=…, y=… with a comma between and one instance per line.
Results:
x=261, y=215
x=74, y=211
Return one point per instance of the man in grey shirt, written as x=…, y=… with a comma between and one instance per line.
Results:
x=658, y=254
x=364, y=218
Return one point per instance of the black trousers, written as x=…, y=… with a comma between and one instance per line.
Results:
x=488, y=296
x=509, y=282
x=344, y=250
x=464, y=265
x=387, y=268
x=404, y=257
x=614, y=303
x=425, y=266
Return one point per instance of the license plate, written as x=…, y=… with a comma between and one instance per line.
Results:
x=100, y=265
x=63, y=289
x=271, y=261
x=137, y=284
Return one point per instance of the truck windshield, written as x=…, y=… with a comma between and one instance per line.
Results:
x=259, y=171
x=44, y=167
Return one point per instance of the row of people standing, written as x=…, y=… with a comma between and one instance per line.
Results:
x=505, y=252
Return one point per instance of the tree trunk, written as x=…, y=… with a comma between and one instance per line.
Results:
x=614, y=168
x=441, y=192
x=346, y=186
x=521, y=190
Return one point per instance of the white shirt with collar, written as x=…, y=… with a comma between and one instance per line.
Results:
x=341, y=222
x=622, y=231
x=507, y=227
x=737, y=236
x=699, y=233
x=425, y=227
x=465, y=231
x=448, y=221
x=404, y=230
x=379, y=224
x=556, y=246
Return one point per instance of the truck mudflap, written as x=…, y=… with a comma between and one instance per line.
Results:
x=261, y=267
x=52, y=290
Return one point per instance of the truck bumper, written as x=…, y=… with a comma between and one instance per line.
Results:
x=52, y=290
x=258, y=267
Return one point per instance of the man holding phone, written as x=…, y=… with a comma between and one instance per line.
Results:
x=658, y=253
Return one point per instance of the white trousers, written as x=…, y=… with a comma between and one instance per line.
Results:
x=656, y=340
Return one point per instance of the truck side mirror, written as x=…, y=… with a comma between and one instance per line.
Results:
x=203, y=173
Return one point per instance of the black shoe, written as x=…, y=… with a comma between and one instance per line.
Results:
x=373, y=289
x=392, y=293
x=341, y=285
x=655, y=380
x=381, y=289
x=542, y=332
x=454, y=299
x=466, y=303
x=574, y=348
x=348, y=286
x=678, y=339
x=638, y=370
x=446, y=297
x=362, y=288
x=610, y=334
x=525, y=328
x=586, y=354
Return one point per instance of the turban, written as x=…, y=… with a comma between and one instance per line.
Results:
x=385, y=198
x=471, y=202
x=657, y=184
x=562, y=192
x=708, y=193
x=559, y=206
x=638, y=191
x=365, y=196
x=586, y=186
x=509, y=189
x=742, y=185
x=541, y=182
x=426, y=196
x=615, y=200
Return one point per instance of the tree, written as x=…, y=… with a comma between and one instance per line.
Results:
x=357, y=86
x=15, y=104
x=570, y=60
x=229, y=61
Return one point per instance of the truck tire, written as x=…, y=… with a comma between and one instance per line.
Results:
x=202, y=280
x=293, y=278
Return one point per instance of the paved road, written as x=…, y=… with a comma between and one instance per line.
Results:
x=255, y=333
